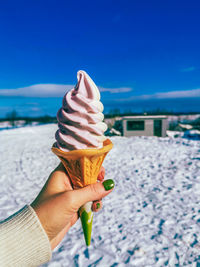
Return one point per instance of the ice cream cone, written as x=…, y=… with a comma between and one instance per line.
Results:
x=83, y=166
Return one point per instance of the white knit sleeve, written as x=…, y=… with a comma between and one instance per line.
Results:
x=23, y=241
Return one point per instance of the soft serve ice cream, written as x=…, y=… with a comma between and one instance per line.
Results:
x=80, y=120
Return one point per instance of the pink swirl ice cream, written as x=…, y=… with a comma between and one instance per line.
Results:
x=80, y=118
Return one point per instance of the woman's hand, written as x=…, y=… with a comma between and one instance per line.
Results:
x=57, y=204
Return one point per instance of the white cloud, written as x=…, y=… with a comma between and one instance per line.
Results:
x=52, y=90
x=166, y=95
x=35, y=109
x=116, y=90
x=38, y=90
x=179, y=94
x=189, y=69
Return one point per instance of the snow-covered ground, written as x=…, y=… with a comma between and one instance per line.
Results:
x=152, y=218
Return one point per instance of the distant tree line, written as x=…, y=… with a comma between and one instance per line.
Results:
x=117, y=112
x=13, y=116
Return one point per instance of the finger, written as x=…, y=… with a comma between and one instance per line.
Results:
x=89, y=193
x=59, y=179
x=57, y=182
x=101, y=174
x=97, y=205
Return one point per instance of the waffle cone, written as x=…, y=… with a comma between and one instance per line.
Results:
x=83, y=165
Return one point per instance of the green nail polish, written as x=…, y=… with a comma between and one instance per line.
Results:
x=108, y=184
x=97, y=205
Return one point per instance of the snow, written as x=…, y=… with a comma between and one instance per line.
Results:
x=174, y=134
x=4, y=124
x=152, y=218
x=8, y=125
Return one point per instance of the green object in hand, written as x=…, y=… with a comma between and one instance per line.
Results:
x=86, y=220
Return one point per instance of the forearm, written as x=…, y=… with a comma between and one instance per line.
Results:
x=23, y=241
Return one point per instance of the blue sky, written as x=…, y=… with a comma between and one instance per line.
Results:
x=141, y=54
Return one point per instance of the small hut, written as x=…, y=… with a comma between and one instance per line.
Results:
x=145, y=125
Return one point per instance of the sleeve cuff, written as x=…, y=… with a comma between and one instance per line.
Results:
x=23, y=241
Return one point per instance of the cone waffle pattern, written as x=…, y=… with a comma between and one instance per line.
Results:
x=83, y=165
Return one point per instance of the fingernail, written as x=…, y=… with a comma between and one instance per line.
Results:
x=97, y=205
x=108, y=184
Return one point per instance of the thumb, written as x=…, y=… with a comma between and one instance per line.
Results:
x=92, y=192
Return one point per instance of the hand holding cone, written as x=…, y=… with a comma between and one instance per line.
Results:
x=83, y=167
